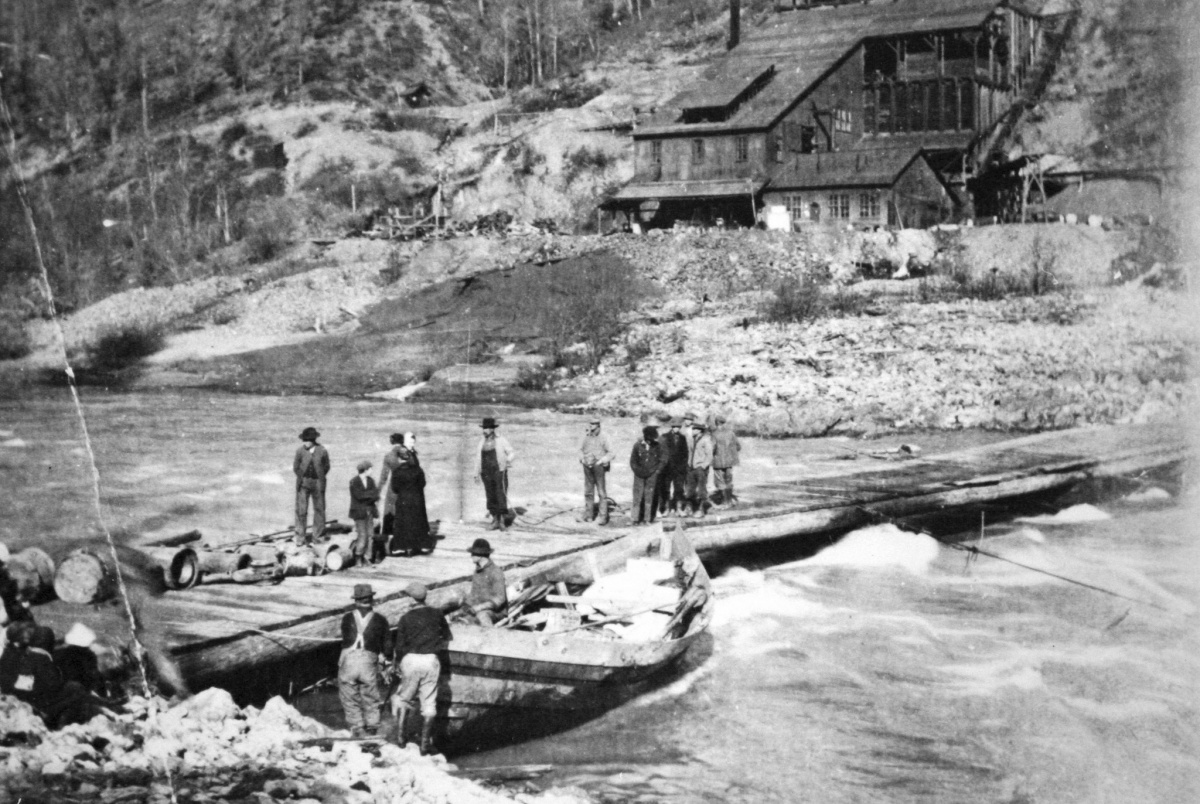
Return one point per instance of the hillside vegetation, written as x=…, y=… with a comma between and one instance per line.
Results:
x=174, y=141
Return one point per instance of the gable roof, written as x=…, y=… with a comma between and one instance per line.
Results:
x=877, y=168
x=803, y=46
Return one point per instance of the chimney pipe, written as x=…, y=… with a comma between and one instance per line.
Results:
x=735, y=23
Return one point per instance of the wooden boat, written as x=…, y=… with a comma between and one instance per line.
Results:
x=505, y=683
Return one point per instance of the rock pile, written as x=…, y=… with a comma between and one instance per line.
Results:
x=1118, y=355
x=206, y=749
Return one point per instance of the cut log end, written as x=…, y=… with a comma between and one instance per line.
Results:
x=83, y=578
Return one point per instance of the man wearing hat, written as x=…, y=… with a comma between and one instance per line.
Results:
x=363, y=511
x=493, y=458
x=365, y=638
x=673, y=477
x=310, y=466
x=725, y=456
x=700, y=454
x=596, y=457
x=421, y=636
x=488, y=596
x=76, y=660
x=646, y=460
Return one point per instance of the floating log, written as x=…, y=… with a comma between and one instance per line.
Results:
x=33, y=571
x=181, y=567
x=84, y=577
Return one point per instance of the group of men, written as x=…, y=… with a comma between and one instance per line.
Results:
x=417, y=651
x=670, y=473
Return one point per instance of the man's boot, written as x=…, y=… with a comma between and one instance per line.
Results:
x=427, y=737
x=401, y=740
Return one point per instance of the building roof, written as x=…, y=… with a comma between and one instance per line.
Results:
x=877, y=168
x=803, y=46
x=716, y=188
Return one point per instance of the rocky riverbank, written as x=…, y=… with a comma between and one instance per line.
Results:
x=1017, y=327
x=206, y=749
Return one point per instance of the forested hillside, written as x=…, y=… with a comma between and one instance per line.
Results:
x=167, y=140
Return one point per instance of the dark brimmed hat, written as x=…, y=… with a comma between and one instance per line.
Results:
x=364, y=466
x=309, y=434
x=363, y=591
x=396, y=438
x=481, y=547
x=416, y=591
x=489, y=423
x=650, y=433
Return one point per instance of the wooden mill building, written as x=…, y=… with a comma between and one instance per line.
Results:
x=872, y=113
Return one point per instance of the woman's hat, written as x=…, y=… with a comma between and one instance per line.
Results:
x=416, y=591
x=481, y=547
x=310, y=434
x=489, y=423
x=80, y=636
x=363, y=591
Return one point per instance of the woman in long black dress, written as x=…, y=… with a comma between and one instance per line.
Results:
x=410, y=526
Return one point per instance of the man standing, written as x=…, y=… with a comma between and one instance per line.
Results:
x=596, y=457
x=492, y=461
x=673, y=477
x=725, y=456
x=699, y=460
x=363, y=511
x=646, y=460
x=421, y=635
x=310, y=466
x=488, y=597
x=365, y=638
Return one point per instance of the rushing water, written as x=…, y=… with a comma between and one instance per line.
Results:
x=885, y=668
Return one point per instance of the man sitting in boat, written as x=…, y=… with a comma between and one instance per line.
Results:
x=365, y=637
x=421, y=635
x=488, y=597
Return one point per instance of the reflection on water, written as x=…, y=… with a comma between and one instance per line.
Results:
x=872, y=673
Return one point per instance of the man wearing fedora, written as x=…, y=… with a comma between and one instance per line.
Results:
x=673, y=477
x=646, y=461
x=421, y=636
x=310, y=466
x=488, y=597
x=596, y=457
x=700, y=455
x=493, y=458
x=365, y=637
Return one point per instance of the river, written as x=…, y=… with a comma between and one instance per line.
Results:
x=884, y=668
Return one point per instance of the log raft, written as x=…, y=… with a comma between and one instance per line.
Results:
x=218, y=634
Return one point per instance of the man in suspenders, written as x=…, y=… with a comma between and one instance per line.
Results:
x=365, y=638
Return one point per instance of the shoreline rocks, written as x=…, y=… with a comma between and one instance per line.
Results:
x=207, y=749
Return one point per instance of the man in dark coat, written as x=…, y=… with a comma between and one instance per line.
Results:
x=421, y=636
x=487, y=598
x=310, y=466
x=646, y=460
x=365, y=637
x=672, y=479
x=15, y=605
x=40, y=684
x=410, y=533
x=363, y=511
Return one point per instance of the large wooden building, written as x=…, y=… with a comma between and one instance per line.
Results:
x=868, y=114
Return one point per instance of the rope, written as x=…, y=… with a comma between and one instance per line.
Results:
x=48, y=292
x=974, y=552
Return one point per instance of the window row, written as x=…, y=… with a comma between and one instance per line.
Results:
x=837, y=206
x=741, y=150
x=943, y=105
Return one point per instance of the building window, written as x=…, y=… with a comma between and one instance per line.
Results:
x=697, y=152
x=966, y=106
x=656, y=152
x=885, y=109
x=868, y=205
x=842, y=120
x=839, y=206
x=741, y=149
x=779, y=143
x=795, y=206
x=869, y=100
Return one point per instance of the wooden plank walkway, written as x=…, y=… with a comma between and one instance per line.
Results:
x=233, y=626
